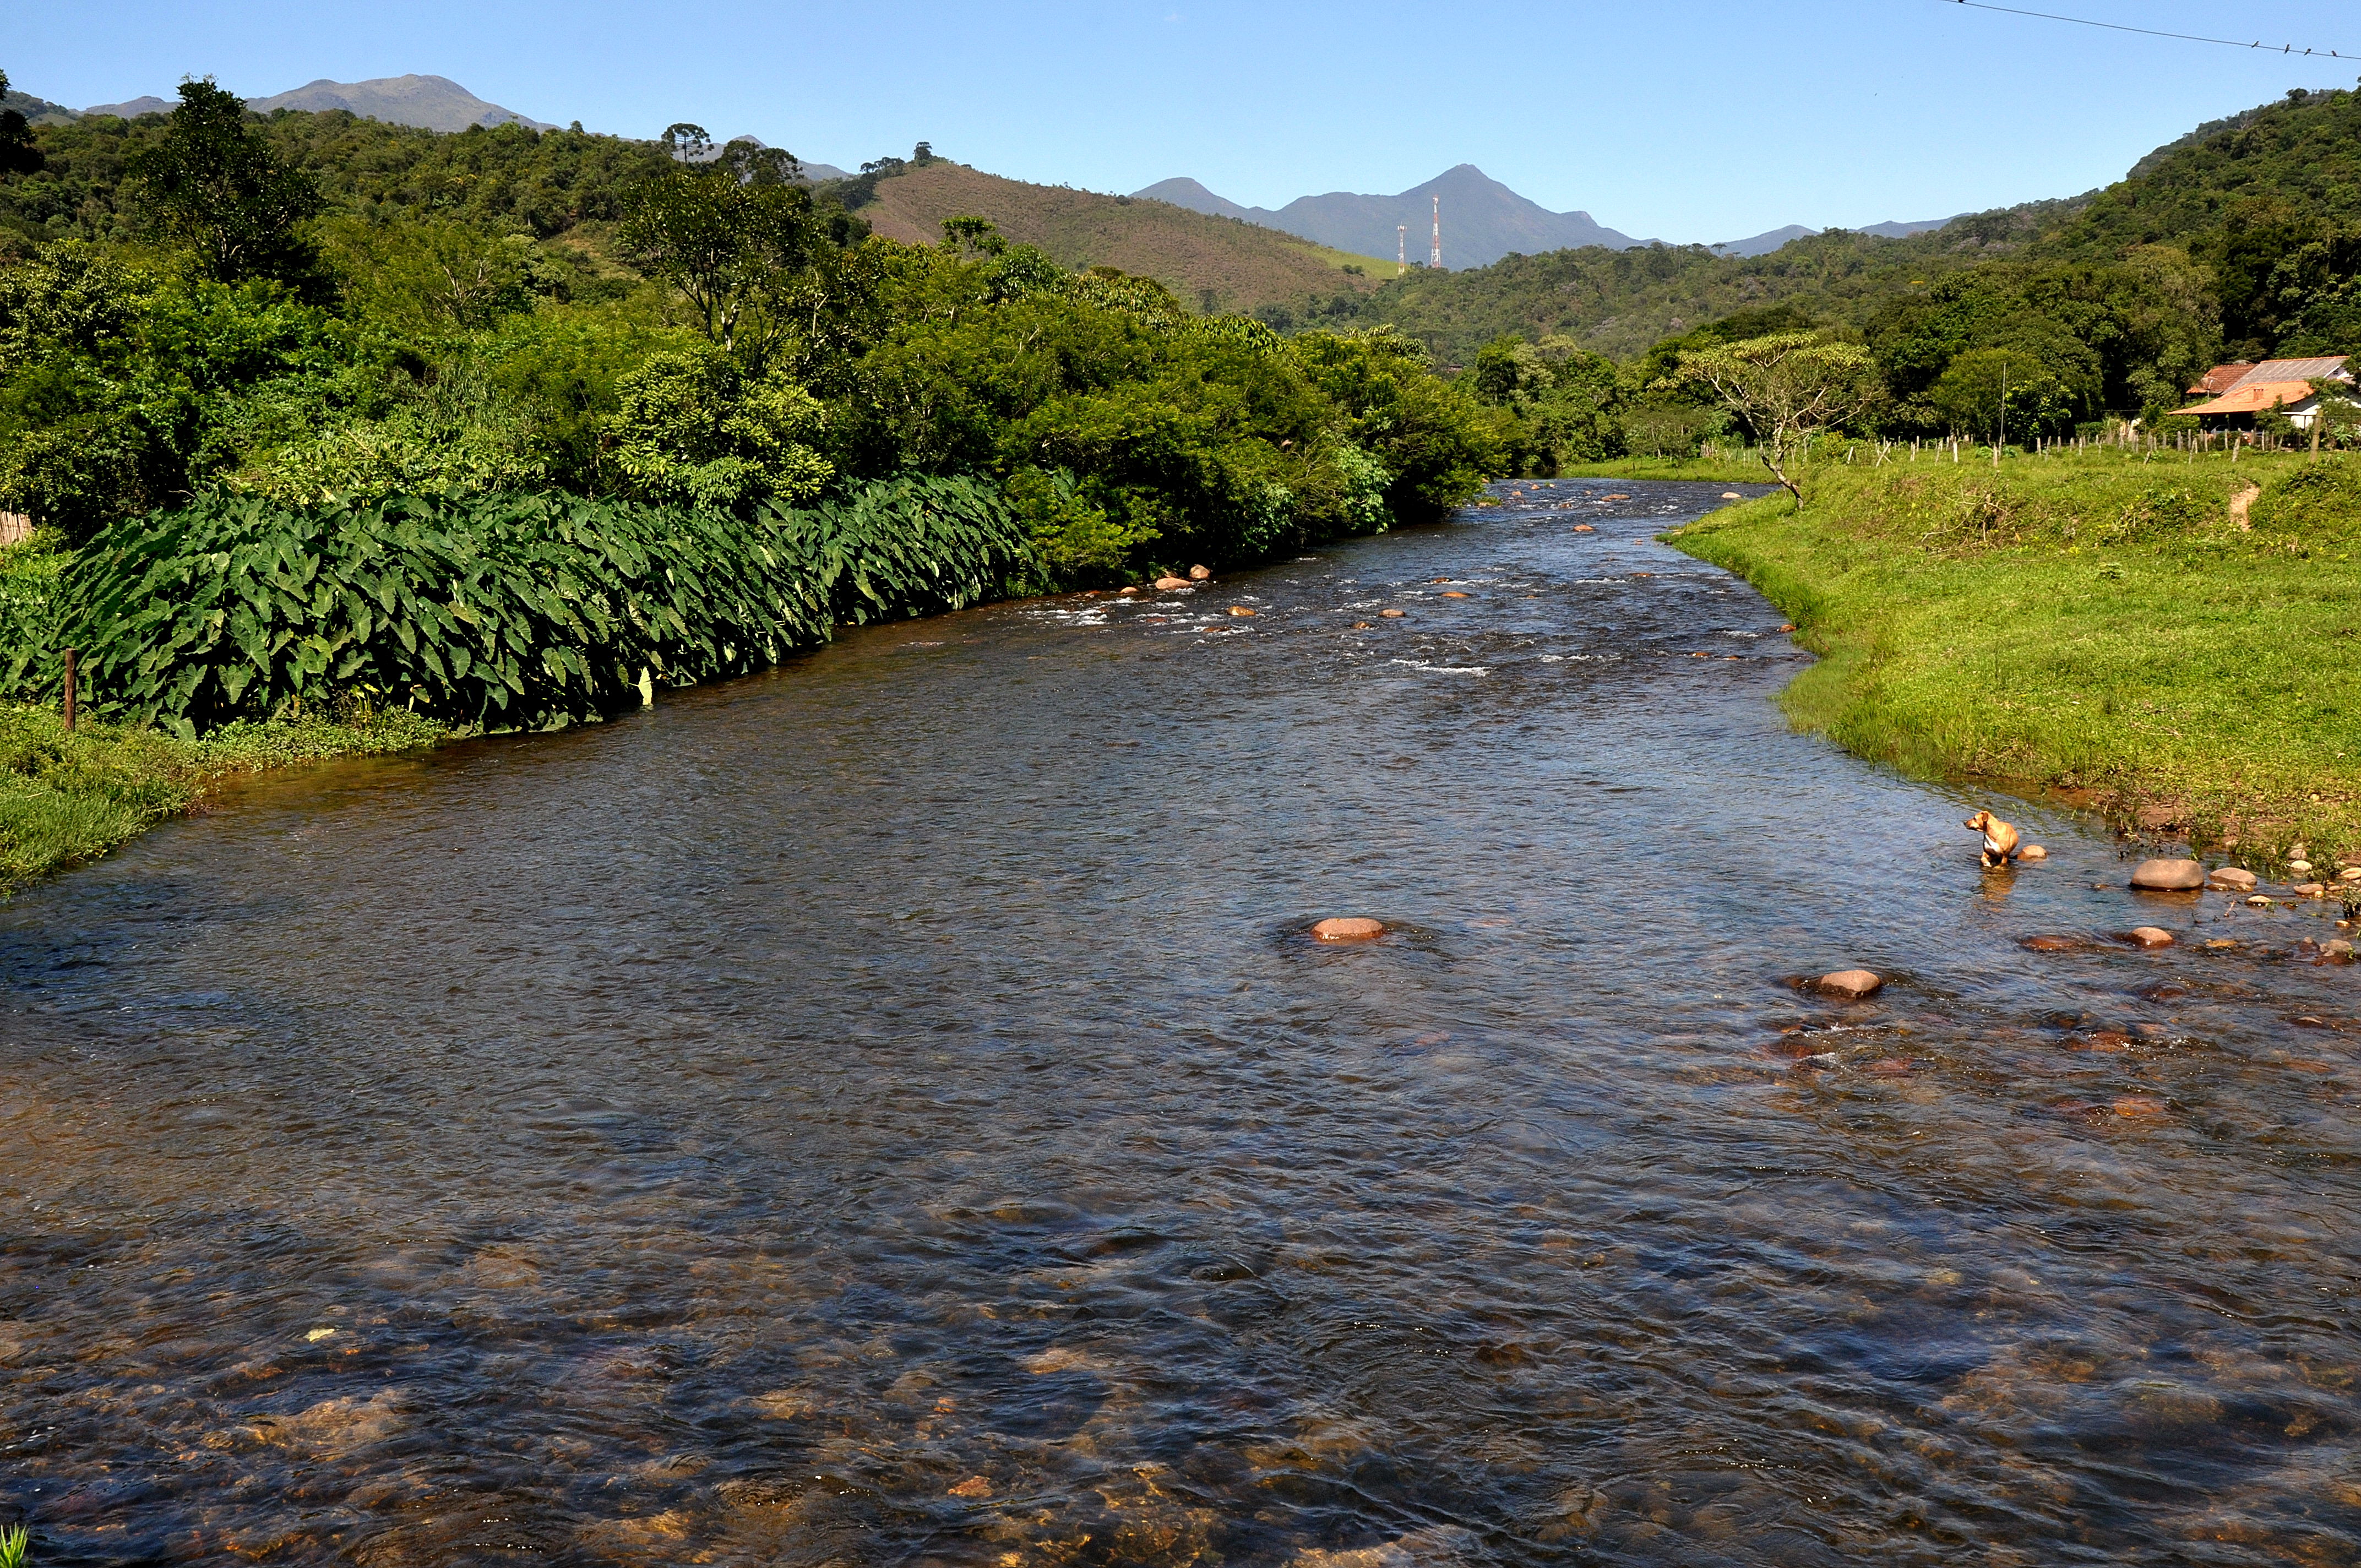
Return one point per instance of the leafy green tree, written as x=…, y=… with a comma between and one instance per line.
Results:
x=18, y=153
x=694, y=429
x=2000, y=393
x=217, y=188
x=1787, y=387
x=435, y=274
x=731, y=238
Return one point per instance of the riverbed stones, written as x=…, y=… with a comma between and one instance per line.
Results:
x=1127, y=590
x=1240, y=609
x=1584, y=528
x=2231, y=879
x=2309, y=890
x=1167, y=585
x=1731, y=496
x=2151, y=936
x=1348, y=928
x=1850, y=983
x=2168, y=876
x=2033, y=852
x=2050, y=944
x=1201, y=574
x=1392, y=614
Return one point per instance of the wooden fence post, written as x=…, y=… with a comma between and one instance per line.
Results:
x=70, y=690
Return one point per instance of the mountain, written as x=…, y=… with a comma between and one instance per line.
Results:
x=133, y=109
x=36, y=111
x=1211, y=262
x=1764, y=244
x=1483, y=220
x=432, y=103
x=1185, y=192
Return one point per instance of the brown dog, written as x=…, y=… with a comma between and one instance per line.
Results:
x=2000, y=839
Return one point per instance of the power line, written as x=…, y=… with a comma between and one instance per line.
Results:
x=2156, y=33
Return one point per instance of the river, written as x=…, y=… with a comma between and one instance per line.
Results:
x=888, y=1112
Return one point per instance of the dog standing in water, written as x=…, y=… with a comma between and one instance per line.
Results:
x=2000, y=839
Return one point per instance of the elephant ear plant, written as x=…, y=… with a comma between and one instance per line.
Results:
x=527, y=612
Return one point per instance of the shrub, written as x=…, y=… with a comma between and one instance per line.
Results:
x=516, y=613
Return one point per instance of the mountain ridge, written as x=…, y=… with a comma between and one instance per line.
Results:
x=1210, y=260
x=1483, y=220
x=427, y=102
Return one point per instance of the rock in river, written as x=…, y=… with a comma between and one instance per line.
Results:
x=2231, y=879
x=1849, y=982
x=1348, y=928
x=1168, y=584
x=2033, y=852
x=1200, y=574
x=2168, y=876
x=2151, y=936
x=1392, y=614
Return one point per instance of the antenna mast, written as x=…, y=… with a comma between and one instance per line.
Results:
x=1435, y=260
x=1401, y=248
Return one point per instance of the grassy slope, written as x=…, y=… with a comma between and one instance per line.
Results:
x=1244, y=264
x=2092, y=623
x=66, y=798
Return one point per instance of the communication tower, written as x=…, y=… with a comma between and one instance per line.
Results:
x=1401, y=248
x=1435, y=259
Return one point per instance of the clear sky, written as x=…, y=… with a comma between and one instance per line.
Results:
x=1683, y=120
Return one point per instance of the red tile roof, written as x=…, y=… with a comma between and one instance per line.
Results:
x=2253, y=397
x=2219, y=379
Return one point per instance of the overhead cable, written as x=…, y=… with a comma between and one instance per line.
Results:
x=2157, y=33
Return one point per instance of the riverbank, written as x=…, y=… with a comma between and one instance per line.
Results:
x=71, y=796
x=1745, y=470
x=2094, y=624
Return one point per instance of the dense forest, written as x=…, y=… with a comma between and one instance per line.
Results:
x=295, y=345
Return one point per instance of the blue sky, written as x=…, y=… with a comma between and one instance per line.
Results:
x=1683, y=120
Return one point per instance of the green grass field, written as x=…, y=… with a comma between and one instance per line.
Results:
x=2097, y=624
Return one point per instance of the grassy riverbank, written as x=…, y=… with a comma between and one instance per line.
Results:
x=2092, y=623
x=1723, y=470
x=69, y=798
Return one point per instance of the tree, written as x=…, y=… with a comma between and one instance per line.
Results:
x=1994, y=391
x=729, y=237
x=1786, y=386
x=218, y=189
x=695, y=430
x=18, y=153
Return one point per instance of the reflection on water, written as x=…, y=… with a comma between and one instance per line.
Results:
x=887, y=1111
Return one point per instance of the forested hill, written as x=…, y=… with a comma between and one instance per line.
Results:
x=542, y=181
x=1215, y=263
x=1618, y=302
x=2267, y=202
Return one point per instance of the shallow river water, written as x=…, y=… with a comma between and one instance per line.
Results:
x=888, y=1111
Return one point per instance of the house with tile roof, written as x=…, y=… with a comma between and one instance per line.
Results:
x=2284, y=385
